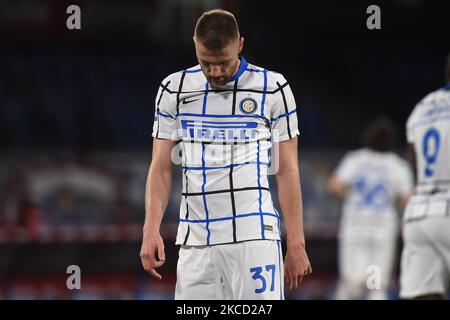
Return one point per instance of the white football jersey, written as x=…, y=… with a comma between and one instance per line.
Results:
x=225, y=136
x=428, y=129
x=374, y=180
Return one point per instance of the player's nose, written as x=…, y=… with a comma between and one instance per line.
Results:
x=215, y=71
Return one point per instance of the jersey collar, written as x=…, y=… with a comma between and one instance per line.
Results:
x=242, y=67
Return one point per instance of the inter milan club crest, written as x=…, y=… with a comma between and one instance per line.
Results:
x=248, y=105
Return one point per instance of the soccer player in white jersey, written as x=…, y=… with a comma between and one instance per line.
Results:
x=425, y=263
x=371, y=181
x=224, y=114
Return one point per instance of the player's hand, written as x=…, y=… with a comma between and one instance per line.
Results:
x=152, y=246
x=296, y=264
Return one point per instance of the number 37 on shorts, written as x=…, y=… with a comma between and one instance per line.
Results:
x=263, y=275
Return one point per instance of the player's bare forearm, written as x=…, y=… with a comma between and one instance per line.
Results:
x=289, y=191
x=289, y=196
x=296, y=263
x=157, y=193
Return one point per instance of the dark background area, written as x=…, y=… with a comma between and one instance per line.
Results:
x=93, y=88
x=84, y=99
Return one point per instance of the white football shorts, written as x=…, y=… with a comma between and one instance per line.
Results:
x=248, y=270
x=425, y=262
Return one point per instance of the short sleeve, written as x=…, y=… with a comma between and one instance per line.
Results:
x=410, y=125
x=345, y=169
x=165, y=120
x=409, y=131
x=284, y=123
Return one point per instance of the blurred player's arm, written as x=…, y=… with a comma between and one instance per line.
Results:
x=410, y=176
x=342, y=176
x=336, y=186
x=411, y=157
x=157, y=194
x=404, y=200
x=296, y=263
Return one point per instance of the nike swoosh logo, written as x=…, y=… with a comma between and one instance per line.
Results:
x=189, y=101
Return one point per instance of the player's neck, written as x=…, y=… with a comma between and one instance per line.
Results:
x=240, y=68
x=236, y=68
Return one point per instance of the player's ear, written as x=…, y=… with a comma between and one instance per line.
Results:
x=241, y=44
x=195, y=42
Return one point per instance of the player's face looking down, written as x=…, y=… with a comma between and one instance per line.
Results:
x=219, y=66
